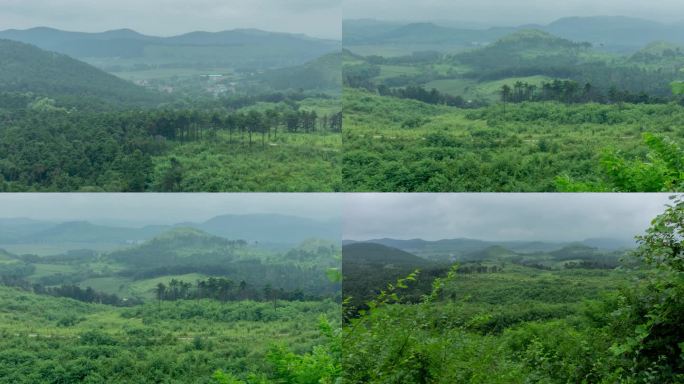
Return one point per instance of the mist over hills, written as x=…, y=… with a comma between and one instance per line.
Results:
x=232, y=48
x=262, y=228
x=610, y=33
x=460, y=248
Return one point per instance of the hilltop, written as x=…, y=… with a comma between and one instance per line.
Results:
x=372, y=253
x=368, y=268
x=464, y=249
x=26, y=68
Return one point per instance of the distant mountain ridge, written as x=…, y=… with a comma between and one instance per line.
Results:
x=374, y=253
x=611, y=33
x=454, y=249
x=237, y=47
x=266, y=228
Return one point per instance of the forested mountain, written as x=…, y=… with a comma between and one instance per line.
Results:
x=528, y=110
x=27, y=69
x=263, y=228
x=369, y=267
x=528, y=53
x=563, y=316
x=238, y=48
x=463, y=248
x=372, y=253
x=610, y=33
x=130, y=269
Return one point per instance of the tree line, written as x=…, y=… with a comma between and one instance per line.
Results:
x=193, y=125
x=432, y=96
x=224, y=289
x=570, y=91
x=87, y=295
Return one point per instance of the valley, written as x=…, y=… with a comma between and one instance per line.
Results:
x=242, y=297
x=268, y=119
x=600, y=310
x=528, y=110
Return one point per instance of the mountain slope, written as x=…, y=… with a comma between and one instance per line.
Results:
x=25, y=68
x=371, y=253
x=469, y=249
x=179, y=246
x=368, y=268
x=525, y=48
x=324, y=73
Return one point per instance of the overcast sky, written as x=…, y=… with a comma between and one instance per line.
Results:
x=319, y=18
x=151, y=208
x=510, y=12
x=544, y=217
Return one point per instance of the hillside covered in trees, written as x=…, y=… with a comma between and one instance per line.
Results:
x=27, y=69
x=172, y=303
x=572, y=314
x=68, y=126
x=528, y=111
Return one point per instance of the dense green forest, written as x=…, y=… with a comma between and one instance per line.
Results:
x=68, y=126
x=528, y=112
x=59, y=340
x=576, y=314
x=173, y=304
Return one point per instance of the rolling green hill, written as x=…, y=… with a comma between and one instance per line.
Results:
x=54, y=339
x=608, y=33
x=525, y=48
x=180, y=246
x=368, y=268
x=25, y=68
x=463, y=249
x=371, y=253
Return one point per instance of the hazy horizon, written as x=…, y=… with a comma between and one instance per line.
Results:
x=164, y=208
x=509, y=13
x=555, y=217
x=163, y=36
x=474, y=24
x=315, y=18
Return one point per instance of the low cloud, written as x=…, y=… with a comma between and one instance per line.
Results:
x=153, y=208
x=550, y=216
